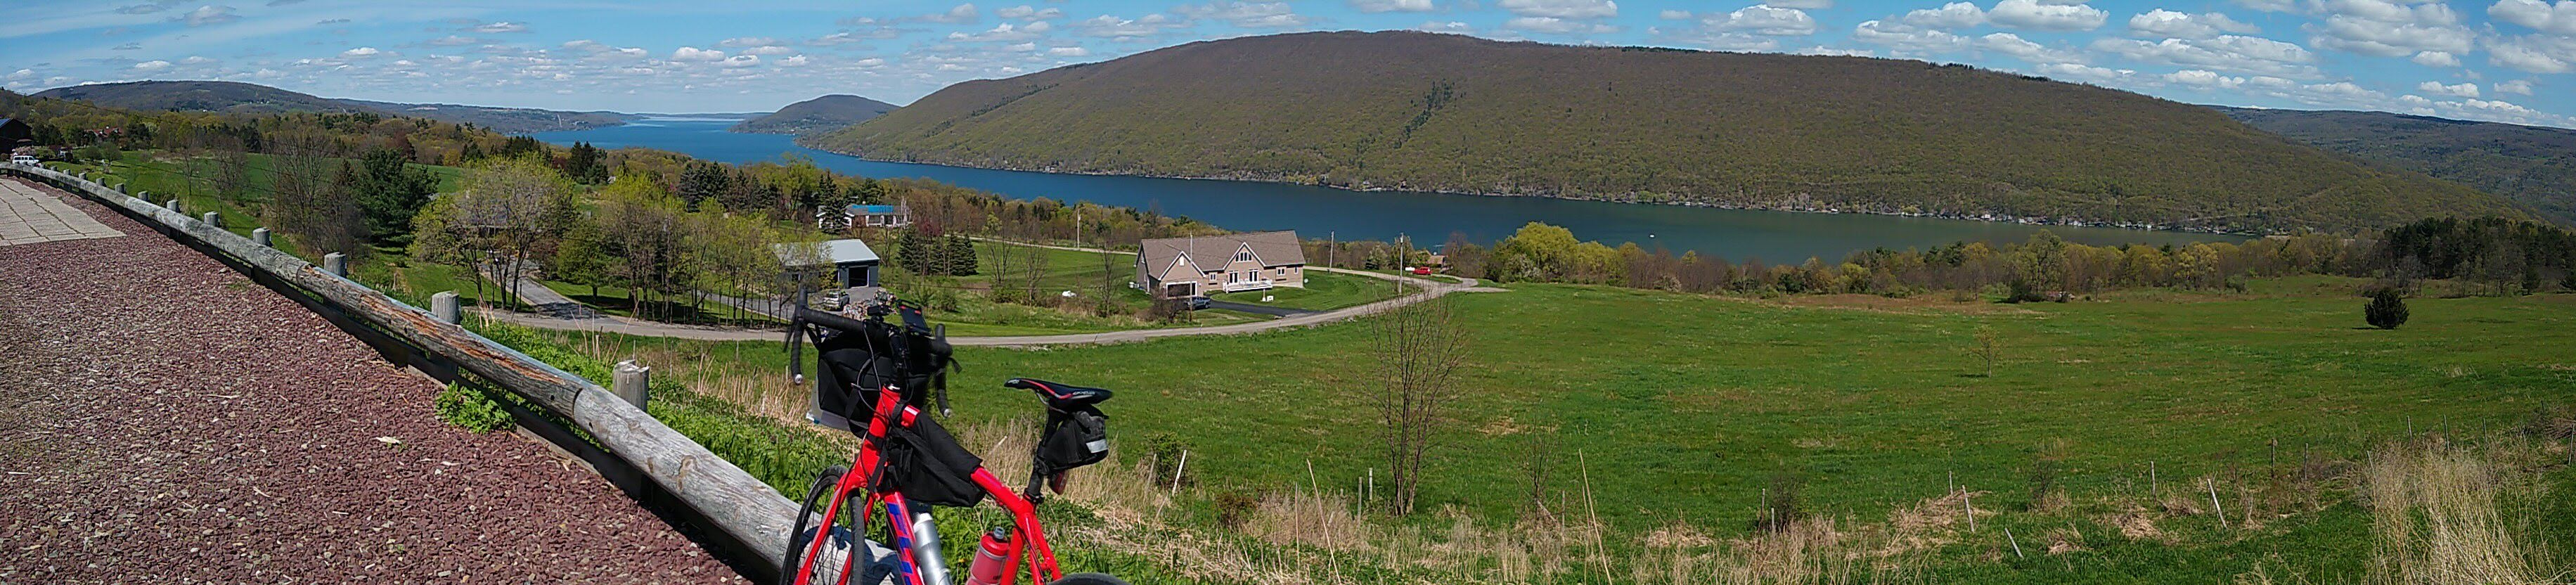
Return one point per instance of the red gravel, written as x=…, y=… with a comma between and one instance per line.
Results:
x=164, y=419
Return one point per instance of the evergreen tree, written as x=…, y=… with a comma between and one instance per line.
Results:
x=586, y=163
x=389, y=192
x=702, y=182
x=2386, y=310
x=961, y=255
x=912, y=253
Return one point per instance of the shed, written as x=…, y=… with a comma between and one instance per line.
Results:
x=853, y=264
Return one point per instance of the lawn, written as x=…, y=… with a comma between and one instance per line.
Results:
x=1324, y=291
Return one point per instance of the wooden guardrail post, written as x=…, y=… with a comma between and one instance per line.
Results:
x=443, y=306
x=213, y=219
x=633, y=382
x=173, y=205
x=336, y=263
x=260, y=236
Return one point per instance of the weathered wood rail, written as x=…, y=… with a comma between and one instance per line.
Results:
x=725, y=498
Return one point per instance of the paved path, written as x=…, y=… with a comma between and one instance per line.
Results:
x=550, y=303
x=30, y=216
x=163, y=419
x=1427, y=289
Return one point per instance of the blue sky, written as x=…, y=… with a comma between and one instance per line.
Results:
x=2504, y=60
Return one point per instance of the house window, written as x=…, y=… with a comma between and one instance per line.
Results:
x=1279, y=272
x=1243, y=256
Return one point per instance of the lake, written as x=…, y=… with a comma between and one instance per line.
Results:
x=1429, y=218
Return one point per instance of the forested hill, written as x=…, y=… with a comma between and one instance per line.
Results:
x=817, y=115
x=246, y=98
x=2532, y=165
x=1445, y=112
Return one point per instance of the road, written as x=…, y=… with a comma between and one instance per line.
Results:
x=1426, y=289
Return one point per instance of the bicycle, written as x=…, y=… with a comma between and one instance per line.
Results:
x=906, y=459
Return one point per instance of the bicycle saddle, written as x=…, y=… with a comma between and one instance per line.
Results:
x=1060, y=396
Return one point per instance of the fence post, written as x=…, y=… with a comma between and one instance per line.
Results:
x=631, y=382
x=443, y=306
x=213, y=220
x=336, y=263
x=259, y=236
x=173, y=205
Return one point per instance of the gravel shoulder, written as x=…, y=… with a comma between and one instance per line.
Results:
x=164, y=419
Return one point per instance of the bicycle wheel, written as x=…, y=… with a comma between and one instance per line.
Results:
x=1088, y=579
x=838, y=539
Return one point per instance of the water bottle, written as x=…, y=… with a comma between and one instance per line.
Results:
x=992, y=558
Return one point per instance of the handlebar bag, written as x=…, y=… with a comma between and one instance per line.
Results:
x=1073, y=439
x=854, y=365
x=927, y=466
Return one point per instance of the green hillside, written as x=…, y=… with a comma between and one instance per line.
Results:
x=2531, y=165
x=1453, y=113
x=817, y=115
x=245, y=98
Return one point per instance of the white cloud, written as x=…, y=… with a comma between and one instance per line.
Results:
x=2203, y=78
x=2537, y=15
x=869, y=63
x=1764, y=19
x=153, y=65
x=795, y=61
x=1069, y=52
x=2534, y=53
x=1907, y=38
x=1954, y=15
x=1446, y=27
x=2014, y=45
x=453, y=41
x=2520, y=86
x=768, y=50
x=1554, y=25
x=1392, y=5
x=2384, y=28
x=1027, y=12
x=1246, y=14
x=962, y=14
x=2458, y=90
x=2436, y=59
x=746, y=42
x=2031, y=14
x=2170, y=24
x=740, y=61
x=360, y=52
x=1803, y=4
x=1147, y=26
x=1835, y=52
x=1674, y=15
x=501, y=27
x=2271, y=5
x=1562, y=9
x=210, y=14
x=2239, y=54
x=696, y=54
x=2080, y=72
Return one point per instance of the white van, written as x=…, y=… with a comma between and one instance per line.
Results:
x=24, y=160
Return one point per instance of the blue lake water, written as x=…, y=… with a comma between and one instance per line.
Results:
x=1429, y=218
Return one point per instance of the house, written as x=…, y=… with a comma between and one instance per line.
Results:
x=15, y=133
x=877, y=215
x=852, y=264
x=1174, y=268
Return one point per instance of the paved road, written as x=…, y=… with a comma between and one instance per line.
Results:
x=229, y=435
x=1426, y=290
x=550, y=303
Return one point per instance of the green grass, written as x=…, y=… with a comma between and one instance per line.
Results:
x=1324, y=291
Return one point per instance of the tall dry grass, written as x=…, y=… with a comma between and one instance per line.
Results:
x=2440, y=514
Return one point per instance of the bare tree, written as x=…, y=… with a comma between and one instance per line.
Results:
x=1988, y=348
x=1419, y=349
x=514, y=210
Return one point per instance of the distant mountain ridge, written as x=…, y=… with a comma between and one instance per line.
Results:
x=231, y=96
x=1409, y=110
x=2533, y=165
x=822, y=114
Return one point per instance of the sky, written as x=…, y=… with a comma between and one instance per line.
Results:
x=2498, y=60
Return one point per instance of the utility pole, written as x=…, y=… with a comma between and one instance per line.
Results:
x=1332, y=244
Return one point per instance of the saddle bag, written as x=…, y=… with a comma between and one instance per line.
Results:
x=1071, y=440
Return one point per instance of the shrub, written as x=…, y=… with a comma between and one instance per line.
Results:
x=2387, y=309
x=469, y=409
x=1781, y=505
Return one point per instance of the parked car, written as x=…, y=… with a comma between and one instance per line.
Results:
x=1197, y=303
x=1422, y=270
x=834, y=300
x=24, y=160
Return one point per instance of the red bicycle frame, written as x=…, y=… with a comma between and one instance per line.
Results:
x=1024, y=517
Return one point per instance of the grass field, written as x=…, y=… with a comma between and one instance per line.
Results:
x=1324, y=291
x=1083, y=273
x=1681, y=408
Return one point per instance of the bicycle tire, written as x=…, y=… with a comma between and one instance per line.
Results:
x=797, y=541
x=1088, y=579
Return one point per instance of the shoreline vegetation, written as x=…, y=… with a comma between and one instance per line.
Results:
x=1633, y=198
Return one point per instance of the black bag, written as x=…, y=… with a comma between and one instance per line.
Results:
x=1071, y=440
x=855, y=365
x=928, y=467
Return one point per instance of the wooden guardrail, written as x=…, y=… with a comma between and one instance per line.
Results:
x=728, y=499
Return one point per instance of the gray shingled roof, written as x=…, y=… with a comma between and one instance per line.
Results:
x=1274, y=249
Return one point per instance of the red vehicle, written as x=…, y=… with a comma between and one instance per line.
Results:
x=1422, y=270
x=907, y=463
